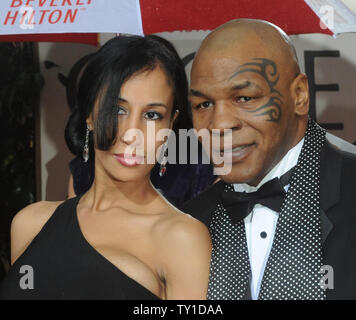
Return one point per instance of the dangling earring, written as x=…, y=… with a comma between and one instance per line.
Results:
x=162, y=167
x=86, y=146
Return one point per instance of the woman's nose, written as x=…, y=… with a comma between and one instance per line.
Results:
x=130, y=130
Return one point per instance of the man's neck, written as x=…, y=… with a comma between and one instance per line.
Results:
x=289, y=160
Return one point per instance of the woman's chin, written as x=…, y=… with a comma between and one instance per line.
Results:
x=115, y=170
x=131, y=174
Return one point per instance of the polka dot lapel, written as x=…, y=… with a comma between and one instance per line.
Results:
x=293, y=270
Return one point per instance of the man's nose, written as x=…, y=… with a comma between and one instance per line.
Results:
x=224, y=117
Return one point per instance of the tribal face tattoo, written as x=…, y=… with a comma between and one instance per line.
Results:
x=268, y=70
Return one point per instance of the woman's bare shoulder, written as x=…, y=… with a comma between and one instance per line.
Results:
x=27, y=223
x=35, y=213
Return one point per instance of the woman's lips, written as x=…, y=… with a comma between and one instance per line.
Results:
x=129, y=160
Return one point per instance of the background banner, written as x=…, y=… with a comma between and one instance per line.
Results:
x=69, y=16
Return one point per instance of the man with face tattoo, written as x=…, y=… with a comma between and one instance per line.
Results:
x=283, y=220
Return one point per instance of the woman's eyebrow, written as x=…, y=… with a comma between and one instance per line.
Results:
x=122, y=99
x=157, y=104
x=151, y=104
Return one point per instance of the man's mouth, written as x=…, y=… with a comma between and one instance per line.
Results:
x=236, y=152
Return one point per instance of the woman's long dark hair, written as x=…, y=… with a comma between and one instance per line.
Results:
x=103, y=75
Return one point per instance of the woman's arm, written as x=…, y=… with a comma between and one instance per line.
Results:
x=187, y=261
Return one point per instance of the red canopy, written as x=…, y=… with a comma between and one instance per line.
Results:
x=293, y=16
x=86, y=38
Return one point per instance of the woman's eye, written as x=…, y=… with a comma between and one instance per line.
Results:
x=204, y=105
x=243, y=99
x=121, y=110
x=151, y=115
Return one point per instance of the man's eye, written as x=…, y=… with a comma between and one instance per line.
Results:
x=151, y=115
x=204, y=105
x=243, y=99
x=121, y=110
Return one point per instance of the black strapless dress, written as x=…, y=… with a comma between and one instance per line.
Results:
x=66, y=266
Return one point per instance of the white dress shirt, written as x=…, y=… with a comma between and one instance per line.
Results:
x=261, y=223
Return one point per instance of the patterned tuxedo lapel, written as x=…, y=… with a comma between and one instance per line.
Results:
x=230, y=266
x=293, y=267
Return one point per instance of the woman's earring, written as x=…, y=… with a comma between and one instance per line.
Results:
x=86, y=146
x=162, y=167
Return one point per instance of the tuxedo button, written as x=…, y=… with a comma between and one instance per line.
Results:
x=263, y=235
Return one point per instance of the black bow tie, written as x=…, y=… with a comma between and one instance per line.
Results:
x=271, y=194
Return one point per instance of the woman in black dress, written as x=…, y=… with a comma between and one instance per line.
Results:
x=121, y=239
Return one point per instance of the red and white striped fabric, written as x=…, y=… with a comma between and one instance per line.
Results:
x=82, y=20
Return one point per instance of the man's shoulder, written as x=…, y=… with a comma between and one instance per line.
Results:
x=334, y=153
x=338, y=175
x=348, y=167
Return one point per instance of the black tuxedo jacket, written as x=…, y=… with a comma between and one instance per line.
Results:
x=338, y=217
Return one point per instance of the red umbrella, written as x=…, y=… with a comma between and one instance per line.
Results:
x=294, y=17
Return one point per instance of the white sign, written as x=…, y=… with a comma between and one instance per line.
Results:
x=70, y=16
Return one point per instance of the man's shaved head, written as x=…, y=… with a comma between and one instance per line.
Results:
x=265, y=35
x=246, y=78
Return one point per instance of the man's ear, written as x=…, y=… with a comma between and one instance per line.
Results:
x=300, y=94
